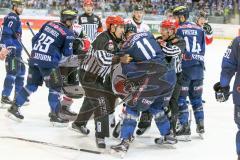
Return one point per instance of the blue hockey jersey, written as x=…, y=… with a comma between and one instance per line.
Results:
x=194, y=37
x=142, y=47
x=12, y=29
x=230, y=66
x=51, y=42
x=148, y=68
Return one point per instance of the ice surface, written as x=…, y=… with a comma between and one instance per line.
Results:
x=219, y=142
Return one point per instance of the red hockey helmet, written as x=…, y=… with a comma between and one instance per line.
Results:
x=88, y=2
x=114, y=20
x=170, y=24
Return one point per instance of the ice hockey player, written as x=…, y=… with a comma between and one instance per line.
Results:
x=148, y=91
x=90, y=22
x=141, y=26
x=3, y=53
x=11, y=35
x=137, y=18
x=201, y=19
x=52, y=41
x=69, y=71
x=173, y=47
x=192, y=69
x=230, y=67
x=94, y=71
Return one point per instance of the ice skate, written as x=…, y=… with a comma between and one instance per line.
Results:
x=5, y=102
x=200, y=129
x=167, y=141
x=100, y=142
x=14, y=113
x=121, y=149
x=66, y=113
x=183, y=133
x=79, y=128
x=57, y=121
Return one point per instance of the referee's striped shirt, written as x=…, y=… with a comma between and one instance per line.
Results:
x=91, y=24
x=90, y=30
x=98, y=62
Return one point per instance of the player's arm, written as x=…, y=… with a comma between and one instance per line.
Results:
x=10, y=26
x=229, y=63
x=174, y=48
x=229, y=67
x=67, y=48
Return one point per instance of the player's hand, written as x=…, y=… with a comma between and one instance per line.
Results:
x=221, y=93
x=125, y=59
x=162, y=43
x=3, y=53
x=207, y=28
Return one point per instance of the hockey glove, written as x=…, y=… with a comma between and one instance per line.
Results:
x=81, y=46
x=221, y=93
x=207, y=28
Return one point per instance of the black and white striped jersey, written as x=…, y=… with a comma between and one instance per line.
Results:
x=173, y=50
x=92, y=25
x=99, y=60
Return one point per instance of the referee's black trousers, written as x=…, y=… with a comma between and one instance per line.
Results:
x=99, y=101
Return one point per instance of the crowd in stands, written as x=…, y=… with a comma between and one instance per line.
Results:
x=156, y=7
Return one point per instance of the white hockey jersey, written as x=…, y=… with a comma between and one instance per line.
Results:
x=143, y=27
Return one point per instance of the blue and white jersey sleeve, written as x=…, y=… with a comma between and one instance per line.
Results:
x=67, y=49
x=230, y=62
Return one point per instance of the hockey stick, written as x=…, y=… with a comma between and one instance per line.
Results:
x=29, y=27
x=24, y=48
x=1, y=30
x=190, y=117
x=50, y=144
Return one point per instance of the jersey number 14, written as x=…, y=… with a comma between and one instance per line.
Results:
x=196, y=48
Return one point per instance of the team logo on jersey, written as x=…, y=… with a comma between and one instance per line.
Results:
x=110, y=46
x=84, y=19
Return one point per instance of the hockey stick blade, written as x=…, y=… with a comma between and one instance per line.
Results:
x=51, y=144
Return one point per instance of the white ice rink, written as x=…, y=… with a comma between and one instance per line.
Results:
x=219, y=142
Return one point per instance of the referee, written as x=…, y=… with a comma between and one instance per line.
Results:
x=90, y=22
x=94, y=77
